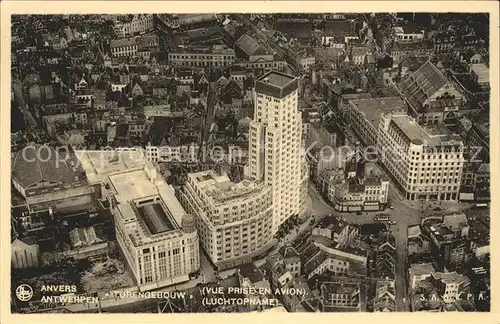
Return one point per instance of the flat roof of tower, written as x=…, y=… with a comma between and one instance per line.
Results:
x=276, y=79
x=276, y=84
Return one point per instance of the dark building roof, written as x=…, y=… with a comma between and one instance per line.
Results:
x=339, y=27
x=147, y=41
x=308, y=252
x=250, y=46
x=386, y=256
x=38, y=163
x=276, y=84
x=251, y=272
x=155, y=218
x=122, y=130
x=335, y=224
x=162, y=129
x=204, y=32
x=422, y=84
x=387, y=238
x=315, y=262
x=29, y=240
x=288, y=252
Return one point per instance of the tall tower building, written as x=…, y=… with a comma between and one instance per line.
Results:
x=275, y=143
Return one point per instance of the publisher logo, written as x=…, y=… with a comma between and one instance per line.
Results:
x=24, y=292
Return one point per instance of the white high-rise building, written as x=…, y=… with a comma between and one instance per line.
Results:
x=275, y=143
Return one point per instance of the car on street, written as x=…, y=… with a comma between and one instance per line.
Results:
x=382, y=218
x=391, y=222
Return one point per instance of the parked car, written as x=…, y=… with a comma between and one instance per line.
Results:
x=382, y=218
x=391, y=223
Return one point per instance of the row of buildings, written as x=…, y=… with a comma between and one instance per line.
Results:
x=336, y=270
x=449, y=262
x=232, y=222
x=416, y=136
x=157, y=237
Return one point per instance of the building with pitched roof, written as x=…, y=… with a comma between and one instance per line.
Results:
x=291, y=258
x=248, y=48
x=216, y=56
x=280, y=271
x=449, y=238
x=407, y=33
x=444, y=42
x=81, y=237
x=336, y=229
x=25, y=253
x=188, y=21
x=480, y=73
x=358, y=54
x=431, y=97
x=124, y=47
x=302, y=302
x=385, y=257
x=359, y=186
x=47, y=179
x=401, y=51
x=419, y=272
x=255, y=287
x=451, y=286
x=385, y=296
x=334, y=261
x=138, y=24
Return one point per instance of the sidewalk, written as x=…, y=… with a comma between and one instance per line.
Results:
x=442, y=205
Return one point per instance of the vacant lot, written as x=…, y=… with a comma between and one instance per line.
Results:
x=107, y=275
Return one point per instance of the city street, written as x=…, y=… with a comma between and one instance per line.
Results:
x=402, y=214
x=319, y=207
x=207, y=272
x=366, y=109
x=19, y=98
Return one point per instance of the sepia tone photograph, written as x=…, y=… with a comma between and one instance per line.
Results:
x=250, y=162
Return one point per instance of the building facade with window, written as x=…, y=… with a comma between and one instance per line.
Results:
x=169, y=153
x=217, y=57
x=275, y=144
x=139, y=24
x=157, y=237
x=124, y=47
x=426, y=161
x=234, y=220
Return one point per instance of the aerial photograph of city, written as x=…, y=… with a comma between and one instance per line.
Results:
x=237, y=162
